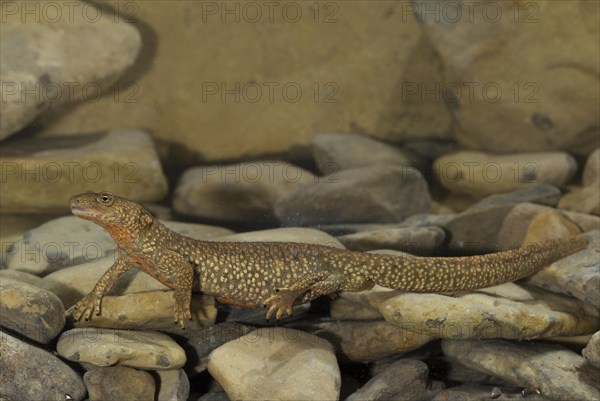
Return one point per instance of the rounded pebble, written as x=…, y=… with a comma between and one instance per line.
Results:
x=276, y=363
x=107, y=347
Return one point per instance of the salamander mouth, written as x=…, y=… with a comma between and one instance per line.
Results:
x=79, y=210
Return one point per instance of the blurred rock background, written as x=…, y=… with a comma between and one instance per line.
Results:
x=218, y=82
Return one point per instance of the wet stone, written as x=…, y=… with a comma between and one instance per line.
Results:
x=28, y=373
x=122, y=161
x=577, y=275
x=173, y=385
x=368, y=340
x=244, y=192
x=415, y=240
x=550, y=225
x=428, y=219
x=343, y=308
x=336, y=151
x=591, y=352
x=22, y=277
x=343, y=229
x=515, y=225
x=30, y=311
x=202, y=341
x=150, y=310
x=197, y=231
x=494, y=51
x=119, y=383
x=405, y=379
x=482, y=174
x=457, y=372
x=591, y=171
x=549, y=368
x=286, y=234
x=59, y=243
x=69, y=241
x=582, y=199
x=34, y=55
x=366, y=303
x=505, y=311
x=470, y=392
x=477, y=228
x=276, y=363
x=361, y=68
x=378, y=194
x=586, y=198
x=73, y=283
x=106, y=347
x=14, y=225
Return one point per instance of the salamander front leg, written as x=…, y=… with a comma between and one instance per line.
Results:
x=86, y=307
x=316, y=284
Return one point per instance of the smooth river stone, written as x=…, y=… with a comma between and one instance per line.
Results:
x=482, y=174
x=550, y=225
x=503, y=87
x=376, y=194
x=69, y=241
x=415, y=240
x=591, y=171
x=119, y=383
x=365, y=341
x=30, y=311
x=405, y=379
x=591, y=352
x=28, y=373
x=73, y=283
x=173, y=385
x=202, y=341
x=285, y=234
x=515, y=225
x=577, y=275
x=243, y=193
x=585, y=198
x=336, y=151
x=22, y=277
x=556, y=372
x=491, y=315
x=107, y=347
x=150, y=310
x=41, y=70
x=357, y=79
x=582, y=199
x=59, y=243
x=277, y=363
x=122, y=161
x=477, y=228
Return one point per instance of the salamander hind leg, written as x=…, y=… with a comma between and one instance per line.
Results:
x=307, y=288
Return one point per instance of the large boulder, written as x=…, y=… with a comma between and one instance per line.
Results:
x=54, y=53
x=507, y=90
x=225, y=80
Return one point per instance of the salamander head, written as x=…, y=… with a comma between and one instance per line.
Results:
x=118, y=215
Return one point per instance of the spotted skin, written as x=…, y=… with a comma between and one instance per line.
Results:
x=278, y=275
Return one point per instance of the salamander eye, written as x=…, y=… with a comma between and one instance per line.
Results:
x=105, y=198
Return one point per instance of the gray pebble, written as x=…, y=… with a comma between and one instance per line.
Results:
x=379, y=194
x=28, y=373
